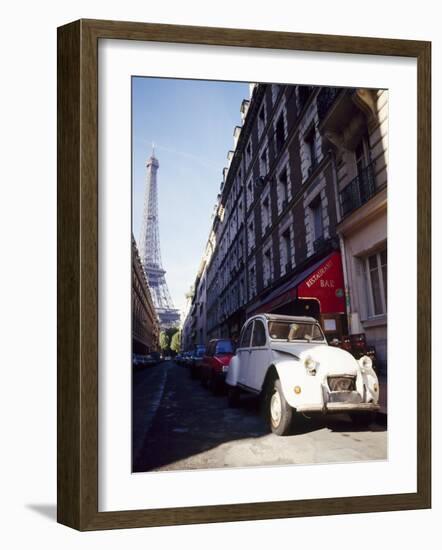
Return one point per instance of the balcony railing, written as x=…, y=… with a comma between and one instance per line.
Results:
x=359, y=190
x=325, y=100
x=319, y=244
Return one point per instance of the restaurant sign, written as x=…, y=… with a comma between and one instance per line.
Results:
x=326, y=284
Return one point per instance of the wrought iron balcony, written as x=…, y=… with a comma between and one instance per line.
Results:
x=319, y=244
x=359, y=190
x=325, y=100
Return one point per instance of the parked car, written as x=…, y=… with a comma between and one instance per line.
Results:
x=287, y=361
x=195, y=361
x=215, y=363
x=155, y=357
x=186, y=358
x=148, y=360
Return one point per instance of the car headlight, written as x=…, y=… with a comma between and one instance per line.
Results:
x=366, y=363
x=310, y=365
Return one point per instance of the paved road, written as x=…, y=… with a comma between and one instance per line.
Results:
x=179, y=425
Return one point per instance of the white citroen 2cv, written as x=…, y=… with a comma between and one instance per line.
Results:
x=287, y=361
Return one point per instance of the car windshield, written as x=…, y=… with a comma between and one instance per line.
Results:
x=223, y=347
x=290, y=332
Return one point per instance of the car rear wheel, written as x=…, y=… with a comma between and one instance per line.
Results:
x=280, y=413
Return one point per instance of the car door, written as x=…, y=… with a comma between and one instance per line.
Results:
x=259, y=355
x=243, y=354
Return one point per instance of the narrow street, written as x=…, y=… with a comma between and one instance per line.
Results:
x=179, y=425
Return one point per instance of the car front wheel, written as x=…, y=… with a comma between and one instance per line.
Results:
x=279, y=411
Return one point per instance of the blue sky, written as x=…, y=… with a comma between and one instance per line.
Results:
x=191, y=123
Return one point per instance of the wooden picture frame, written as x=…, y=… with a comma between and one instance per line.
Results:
x=78, y=274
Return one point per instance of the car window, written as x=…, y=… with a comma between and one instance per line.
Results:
x=223, y=347
x=245, y=339
x=259, y=334
x=283, y=330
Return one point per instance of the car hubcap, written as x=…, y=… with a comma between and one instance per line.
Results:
x=275, y=409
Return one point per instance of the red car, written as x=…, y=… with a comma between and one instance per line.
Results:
x=215, y=363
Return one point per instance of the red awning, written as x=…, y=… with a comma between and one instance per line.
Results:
x=323, y=281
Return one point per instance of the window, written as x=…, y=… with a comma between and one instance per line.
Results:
x=245, y=338
x=361, y=155
x=261, y=119
x=290, y=332
x=316, y=209
x=280, y=133
x=268, y=271
x=259, y=335
x=248, y=153
x=265, y=213
x=283, y=189
x=310, y=143
x=366, y=181
x=376, y=278
x=249, y=197
x=251, y=236
x=263, y=163
x=286, y=252
x=211, y=349
x=224, y=347
x=252, y=282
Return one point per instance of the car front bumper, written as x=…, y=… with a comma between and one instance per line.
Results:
x=339, y=407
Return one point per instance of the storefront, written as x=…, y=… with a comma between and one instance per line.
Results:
x=318, y=292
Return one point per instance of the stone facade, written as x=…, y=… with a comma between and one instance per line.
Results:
x=283, y=205
x=145, y=323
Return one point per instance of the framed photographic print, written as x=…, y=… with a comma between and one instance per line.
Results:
x=238, y=210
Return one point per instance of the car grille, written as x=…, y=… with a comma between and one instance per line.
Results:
x=342, y=383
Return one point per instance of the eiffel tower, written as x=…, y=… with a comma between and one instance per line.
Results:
x=150, y=253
